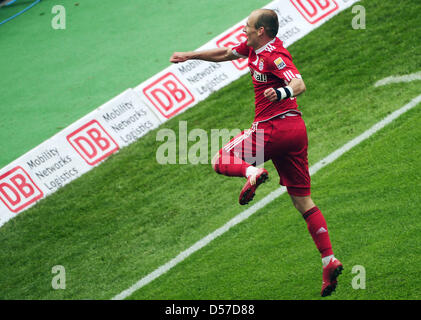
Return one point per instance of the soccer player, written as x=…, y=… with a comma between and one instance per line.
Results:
x=277, y=83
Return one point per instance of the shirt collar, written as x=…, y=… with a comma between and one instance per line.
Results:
x=261, y=49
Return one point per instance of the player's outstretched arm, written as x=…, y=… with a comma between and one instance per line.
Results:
x=295, y=88
x=214, y=55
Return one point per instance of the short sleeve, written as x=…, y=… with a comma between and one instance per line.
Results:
x=283, y=67
x=241, y=50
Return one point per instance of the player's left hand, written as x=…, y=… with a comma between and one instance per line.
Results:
x=271, y=94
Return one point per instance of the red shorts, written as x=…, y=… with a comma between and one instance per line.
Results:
x=282, y=140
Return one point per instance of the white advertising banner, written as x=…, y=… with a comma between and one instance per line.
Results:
x=299, y=17
x=127, y=117
x=183, y=85
x=72, y=152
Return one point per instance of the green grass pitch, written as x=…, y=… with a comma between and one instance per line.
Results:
x=122, y=220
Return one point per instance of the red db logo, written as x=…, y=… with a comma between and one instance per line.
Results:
x=168, y=94
x=92, y=142
x=17, y=190
x=232, y=39
x=315, y=10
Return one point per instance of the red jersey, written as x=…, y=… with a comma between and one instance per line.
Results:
x=270, y=67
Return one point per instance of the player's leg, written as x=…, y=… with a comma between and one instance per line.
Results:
x=292, y=167
x=227, y=164
x=316, y=225
x=301, y=203
x=239, y=157
x=230, y=165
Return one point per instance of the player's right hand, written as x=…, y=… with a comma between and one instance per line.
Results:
x=179, y=57
x=270, y=94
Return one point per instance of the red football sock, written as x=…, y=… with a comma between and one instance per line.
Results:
x=231, y=166
x=317, y=227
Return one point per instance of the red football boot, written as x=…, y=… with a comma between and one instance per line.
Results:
x=330, y=273
x=253, y=181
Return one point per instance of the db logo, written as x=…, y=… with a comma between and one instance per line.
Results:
x=17, y=190
x=232, y=39
x=168, y=95
x=92, y=142
x=315, y=10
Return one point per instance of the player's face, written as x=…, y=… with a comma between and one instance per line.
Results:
x=251, y=32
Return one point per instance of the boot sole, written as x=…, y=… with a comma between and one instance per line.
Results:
x=331, y=288
x=245, y=198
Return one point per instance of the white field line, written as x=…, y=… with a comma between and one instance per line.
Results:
x=269, y=198
x=397, y=79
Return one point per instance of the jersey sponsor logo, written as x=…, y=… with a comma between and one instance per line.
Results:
x=92, y=142
x=168, y=95
x=315, y=10
x=260, y=77
x=280, y=64
x=18, y=190
x=232, y=39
